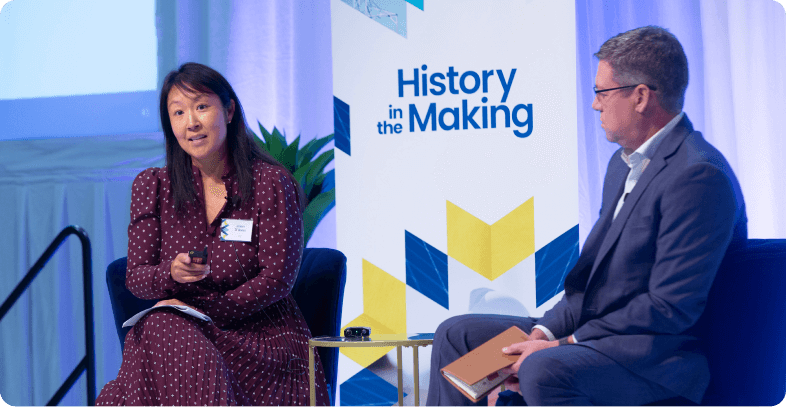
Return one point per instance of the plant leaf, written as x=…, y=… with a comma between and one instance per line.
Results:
x=315, y=211
x=265, y=137
x=290, y=154
x=317, y=167
x=316, y=187
x=300, y=176
x=330, y=181
x=276, y=144
x=260, y=142
x=324, y=182
x=312, y=148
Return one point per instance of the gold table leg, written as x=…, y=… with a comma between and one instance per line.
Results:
x=400, y=377
x=311, y=376
x=416, y=374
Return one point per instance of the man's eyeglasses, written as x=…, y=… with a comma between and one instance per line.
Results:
x=595, y=88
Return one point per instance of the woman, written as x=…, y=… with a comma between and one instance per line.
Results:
x=255, y=350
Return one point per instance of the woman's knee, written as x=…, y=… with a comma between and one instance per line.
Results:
x=161, y=326
x=158, y=319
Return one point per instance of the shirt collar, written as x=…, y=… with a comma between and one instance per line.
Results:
x=647, y=150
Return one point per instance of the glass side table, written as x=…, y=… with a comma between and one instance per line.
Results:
x=397, y=340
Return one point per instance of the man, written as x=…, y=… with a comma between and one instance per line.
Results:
x=671, y=207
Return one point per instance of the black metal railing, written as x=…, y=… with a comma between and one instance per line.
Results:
x=88, y=362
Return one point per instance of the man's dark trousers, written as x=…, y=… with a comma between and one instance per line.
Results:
x=564, y=375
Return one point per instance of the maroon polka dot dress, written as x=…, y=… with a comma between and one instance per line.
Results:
x=256, y=350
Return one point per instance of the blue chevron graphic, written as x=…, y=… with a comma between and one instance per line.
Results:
x=341, y=125
x=427, y=269
x=553, y=262
x=367, y=389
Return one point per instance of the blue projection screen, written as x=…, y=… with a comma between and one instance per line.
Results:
x=77, y=68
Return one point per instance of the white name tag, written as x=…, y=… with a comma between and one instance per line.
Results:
x=236, y=230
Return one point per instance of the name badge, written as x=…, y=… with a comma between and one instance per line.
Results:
x=236, y=230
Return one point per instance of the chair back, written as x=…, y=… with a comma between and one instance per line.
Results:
x=742, y=330
x=124, y=304
x=318, y=291
x=744, y=326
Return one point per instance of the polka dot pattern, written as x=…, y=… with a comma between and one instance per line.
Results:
x=256, y=350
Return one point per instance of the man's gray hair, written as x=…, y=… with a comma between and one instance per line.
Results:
x=652, y=56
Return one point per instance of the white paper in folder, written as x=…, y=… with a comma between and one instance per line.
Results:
x=186, y=310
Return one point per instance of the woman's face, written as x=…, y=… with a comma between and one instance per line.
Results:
x=199, y=122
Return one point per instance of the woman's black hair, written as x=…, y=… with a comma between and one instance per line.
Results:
x=242, y=151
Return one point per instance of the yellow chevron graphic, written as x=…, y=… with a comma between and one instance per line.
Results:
x=491, y=250
x=384, y=311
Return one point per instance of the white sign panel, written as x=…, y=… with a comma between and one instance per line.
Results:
x=456, y=175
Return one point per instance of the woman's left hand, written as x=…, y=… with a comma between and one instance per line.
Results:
x=175, y=301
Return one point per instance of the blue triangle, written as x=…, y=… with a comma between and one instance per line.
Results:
x=367, y=389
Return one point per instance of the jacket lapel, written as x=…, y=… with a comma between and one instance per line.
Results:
x=576, y=281
x=668, y=146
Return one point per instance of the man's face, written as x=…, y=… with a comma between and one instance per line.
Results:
x=616, y=107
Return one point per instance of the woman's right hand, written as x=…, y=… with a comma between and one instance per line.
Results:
x=184, y=271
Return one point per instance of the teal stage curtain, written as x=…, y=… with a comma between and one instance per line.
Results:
x=46, y=185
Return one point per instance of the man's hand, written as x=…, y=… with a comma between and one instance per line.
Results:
x=525, y=348
x=537, y=334
x=184, y=271
x=512, y=383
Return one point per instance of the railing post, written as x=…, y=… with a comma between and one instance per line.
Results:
x=88, y=363
x=87, y=286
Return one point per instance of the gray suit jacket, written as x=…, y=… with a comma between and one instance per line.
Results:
x=642, y=279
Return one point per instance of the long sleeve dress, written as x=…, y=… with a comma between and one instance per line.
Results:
x=256, y=350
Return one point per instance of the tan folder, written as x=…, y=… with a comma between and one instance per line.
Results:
x=484, y=362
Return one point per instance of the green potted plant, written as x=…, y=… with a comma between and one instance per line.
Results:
x=318, y=186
